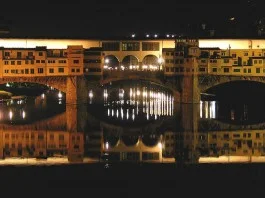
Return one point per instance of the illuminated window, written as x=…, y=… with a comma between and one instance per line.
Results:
x=257, y=70
x=130, y=46
x=61, y=70
x=40, y=70
x=6, y=62
x=150, y=46
x=111, y=46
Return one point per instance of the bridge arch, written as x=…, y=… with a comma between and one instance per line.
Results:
x=111, y=61
x=130, y=62
x=130, y=140
x=150, y=62
x=209, y=81
x=150, y=140
x=58, y=83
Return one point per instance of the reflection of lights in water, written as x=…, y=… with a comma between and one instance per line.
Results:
x=7, y=85
x=121, y=113
x=138, y=92
x=159, y=145
x=107, y=145
x=201, y=109
x=60, y=95
x=152, y=102
x=43, y=96
x=105, y=95
x=121, y=94
x=206, y=109
x=112, y=112
x=212, y=109
x=108, y=112
x=10, y=115
x=23, y=114
x=133, y=115
x=90, y=94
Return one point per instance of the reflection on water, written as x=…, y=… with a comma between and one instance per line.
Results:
x=133, y=123
x=139, y=103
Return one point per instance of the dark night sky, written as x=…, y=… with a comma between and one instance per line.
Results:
x=120, y=18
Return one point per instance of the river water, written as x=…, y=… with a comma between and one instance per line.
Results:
x=137, y=122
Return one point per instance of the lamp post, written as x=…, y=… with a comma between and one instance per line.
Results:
x=160, y=62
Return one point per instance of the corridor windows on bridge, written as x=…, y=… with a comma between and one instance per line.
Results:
x=111, y=46
x=150, y=46
x=130, y=46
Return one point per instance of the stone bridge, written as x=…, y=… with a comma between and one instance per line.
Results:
x=75, y=87
x=208, y=81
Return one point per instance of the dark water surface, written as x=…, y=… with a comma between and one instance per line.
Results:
x=132, y=136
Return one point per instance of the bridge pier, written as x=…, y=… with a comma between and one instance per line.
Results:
x=76, y=90
x=189, y=86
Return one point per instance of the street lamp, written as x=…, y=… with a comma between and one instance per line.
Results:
x=106, y=63
x=160, y=61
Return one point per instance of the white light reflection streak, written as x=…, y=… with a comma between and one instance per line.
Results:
x=200, y=109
